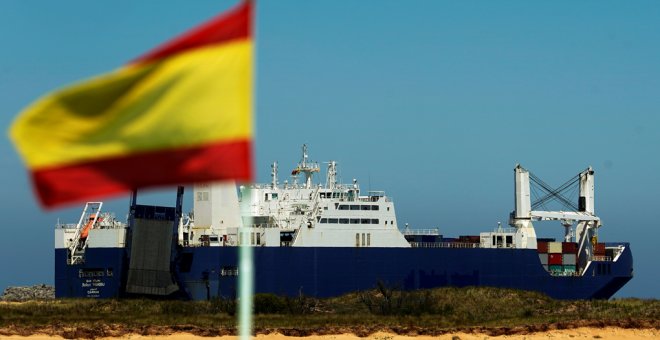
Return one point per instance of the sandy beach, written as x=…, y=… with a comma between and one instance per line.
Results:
x=576, y=333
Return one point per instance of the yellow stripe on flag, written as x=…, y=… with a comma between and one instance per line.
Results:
x=189, y=99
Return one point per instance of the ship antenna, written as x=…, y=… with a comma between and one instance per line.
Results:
x=331, y=180
x=273, y=174
x=304, y=159
x=307, y=169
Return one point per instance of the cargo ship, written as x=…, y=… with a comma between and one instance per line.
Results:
x=330, y=239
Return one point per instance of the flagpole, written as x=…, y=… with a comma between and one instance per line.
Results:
x=246, y=286
x=246, y=263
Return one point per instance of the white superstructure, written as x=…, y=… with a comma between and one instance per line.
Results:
x=305, y=214
x=94, y=229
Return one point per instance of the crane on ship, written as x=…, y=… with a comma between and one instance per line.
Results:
x=583, y=213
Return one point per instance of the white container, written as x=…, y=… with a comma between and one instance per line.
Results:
x=554, y=247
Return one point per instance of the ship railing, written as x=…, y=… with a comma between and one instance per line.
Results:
x=601, y=258
x=102, y=225
x=444, y=245
x=507, y=230
x=433, y=231
x=265, y=225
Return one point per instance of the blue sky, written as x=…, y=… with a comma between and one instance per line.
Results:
x=432, y=101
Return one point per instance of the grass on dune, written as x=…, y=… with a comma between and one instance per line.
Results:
x=383, y=307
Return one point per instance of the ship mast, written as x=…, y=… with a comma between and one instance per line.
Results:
x=273, y=174
x=331, y=181
x=308, y=169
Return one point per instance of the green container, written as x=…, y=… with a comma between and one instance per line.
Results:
x=569, y=268
x=556, y=268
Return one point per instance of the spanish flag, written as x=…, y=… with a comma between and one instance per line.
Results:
x=181, y=113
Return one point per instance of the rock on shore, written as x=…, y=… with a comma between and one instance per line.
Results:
x=36, y=292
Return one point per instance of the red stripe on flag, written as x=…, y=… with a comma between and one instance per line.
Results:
x=233, y=24
x=73, y=183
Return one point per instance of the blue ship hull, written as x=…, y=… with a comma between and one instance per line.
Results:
x=101, y=275
x=207, y=272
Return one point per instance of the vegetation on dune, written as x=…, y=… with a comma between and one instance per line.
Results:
x=384, y=308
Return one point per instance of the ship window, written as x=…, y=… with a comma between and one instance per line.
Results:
x=355, y=221
x=332, y=220
x=325, y=208
x=335, y=195
x=203, y=196
x=343, y=221
x=388, y=208
x=368, y=239
x=509, y=241
x=357, y=240
x=385, y=222
x=374, y=207
x=363, y=240
x=355, y=207
x=374, y=221
x=391, y=222
x=366, y=207
x=365, y=221
x=266, y=197
x=323, y=195
x=494, y=241
x=343, y=207
x=324, y=220
x=252, y=241
x=274, y=196
x=258, y=239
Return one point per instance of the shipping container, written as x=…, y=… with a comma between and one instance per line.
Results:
x=569, y=248
x=569, y=268
x=556, y=268
x=554, y=247
x=543, y=258
x=599, y=249
x=569, y=259
x=555, y=259
x=542, y=247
